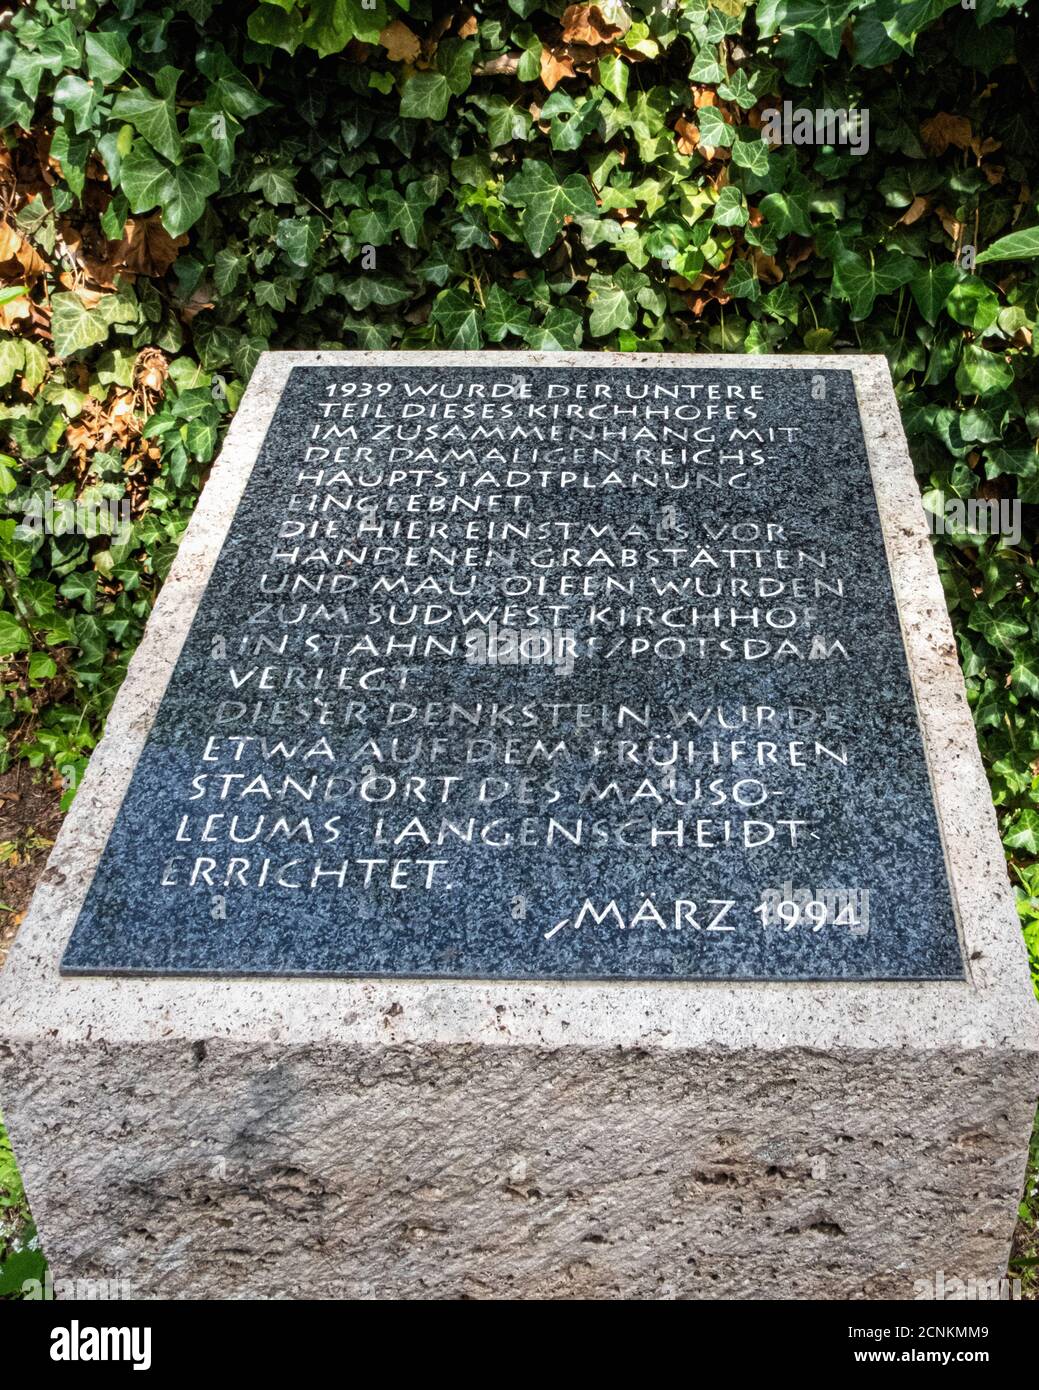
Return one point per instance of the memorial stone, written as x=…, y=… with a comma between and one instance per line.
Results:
x=590, y=726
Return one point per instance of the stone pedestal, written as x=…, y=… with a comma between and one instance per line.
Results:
x=552, y=1138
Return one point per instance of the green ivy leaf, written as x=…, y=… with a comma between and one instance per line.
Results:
x=72, y=152
x=505, y=122
x=821, y=20
x=1021, y=463
x=81, y=585
x=76, y=95
x=74, y=326
x=752, y=153
x=714, y=129
x=268, y=24
x=742, y=282
x=200, y=438
x=331, y=24
x=860, y=282
x=999, y=627
x=299, y=238
x=12, y=358
x=42, y=666
x=561, y=330
x=13, y=637
x=374, y=289
x=247, y=354
x=407, y=214
x=730, y=210
x=216, y=132
x=1024, y=833
x=736, y=87
x=707, y=69
x=872, y=45
x=459, y=318
x=108, y=56
x=613, y=75
x=8, y=475
x=426, y=96
x=787, y=212
x=153, y=117
x=1024, y=673
x=180, y=190
x=1018, y=246
x=502, y=315
x=546, y=202
x=455, y=60
x=931, y=286
x=904, y=21
x=982, y=372
x=229, y=89
x=973, y=304
x=275, y=182
x=612, y=307
x=227, y=270
x=371, y=226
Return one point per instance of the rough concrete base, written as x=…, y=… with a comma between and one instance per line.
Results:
x=301, y=1138
x=215, y=1171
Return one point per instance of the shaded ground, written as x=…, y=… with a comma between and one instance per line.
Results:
x=1024, y=1258
x=30, y=815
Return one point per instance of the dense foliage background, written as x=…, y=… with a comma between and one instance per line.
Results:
x=183, y=185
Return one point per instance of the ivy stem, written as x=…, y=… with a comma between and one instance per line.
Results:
x=9, y=580
x=475, y=278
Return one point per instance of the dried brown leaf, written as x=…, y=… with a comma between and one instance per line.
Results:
x=555, y=66
x=914, y=211
x=943, y=130
x=20, y=263
x=766, y=268
x=151, y=370
x=201, y=298
x=400, y=43
x=953, y=228
x=688, y=135
x=147, y=248
x=587, y=24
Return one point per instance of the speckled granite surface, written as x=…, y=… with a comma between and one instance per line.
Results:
x=630, y=751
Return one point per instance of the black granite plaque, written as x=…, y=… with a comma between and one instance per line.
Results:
x=539, y=672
